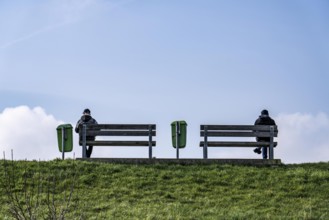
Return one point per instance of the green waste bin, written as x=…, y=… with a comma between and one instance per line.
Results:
x=68, y=137
x=182, y=135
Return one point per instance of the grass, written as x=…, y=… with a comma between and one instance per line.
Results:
x=117, y=191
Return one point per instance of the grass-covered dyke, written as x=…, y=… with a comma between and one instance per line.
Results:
x=164, y=191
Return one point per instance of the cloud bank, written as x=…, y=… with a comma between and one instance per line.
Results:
x=303, y=137
x=31, y=133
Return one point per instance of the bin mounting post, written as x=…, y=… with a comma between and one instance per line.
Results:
x=177, y=139
x=63, y=142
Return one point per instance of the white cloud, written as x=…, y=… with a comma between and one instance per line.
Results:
x=303, y=137
x=30, y=133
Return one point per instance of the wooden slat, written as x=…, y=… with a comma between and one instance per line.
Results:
x=121, y=126
x=118, y=133
x=120, y=143
x=236, y=144
x=239, y=127
x=237, y=134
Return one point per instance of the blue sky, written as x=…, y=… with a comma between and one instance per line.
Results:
x=143, y=61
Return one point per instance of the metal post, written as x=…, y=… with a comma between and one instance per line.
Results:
x=205, y=145
x=177, y=139
x=150, y=141
x=63, y=142
x=271, y=153
x=84, y=147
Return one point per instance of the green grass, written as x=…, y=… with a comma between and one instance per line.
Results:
x=117, y=191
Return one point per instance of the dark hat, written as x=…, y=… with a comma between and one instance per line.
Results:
x=264, y=112
x=86, y=111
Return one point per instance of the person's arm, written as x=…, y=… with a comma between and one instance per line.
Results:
x=77, y=126
x=95, y=122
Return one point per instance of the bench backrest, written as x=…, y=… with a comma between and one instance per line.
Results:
x=127, y=130
x=239, y=130
x=120, y=129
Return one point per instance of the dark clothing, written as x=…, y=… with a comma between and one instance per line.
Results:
x=86, y=119
x=89, y=150
x=264, y=120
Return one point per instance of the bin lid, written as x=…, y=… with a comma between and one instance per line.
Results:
x=180, y=123
x=59, y=127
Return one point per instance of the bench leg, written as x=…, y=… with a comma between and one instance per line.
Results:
x=205, y=152
x=205, y=146
x=271, y=153
x=84, y=147
x=150, y=152
x=150, y=142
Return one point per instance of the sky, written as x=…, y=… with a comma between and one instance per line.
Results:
x=151, y=61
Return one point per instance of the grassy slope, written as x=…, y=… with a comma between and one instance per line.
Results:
x=186, y=192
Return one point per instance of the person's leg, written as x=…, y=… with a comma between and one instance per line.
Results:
x=264, y=152
x=89, y=151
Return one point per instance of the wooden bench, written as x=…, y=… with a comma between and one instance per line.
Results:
x=238, y=131
x=118, y=130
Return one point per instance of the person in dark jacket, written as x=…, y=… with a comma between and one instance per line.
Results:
x=86, y=119
x=263, y=119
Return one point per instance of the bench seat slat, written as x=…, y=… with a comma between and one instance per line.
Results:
x=236, y=134
x=120, y=143
x=236, y=144
x=118, y=133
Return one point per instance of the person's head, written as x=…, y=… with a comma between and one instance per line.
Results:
x=86, y=111
x=264, y=112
